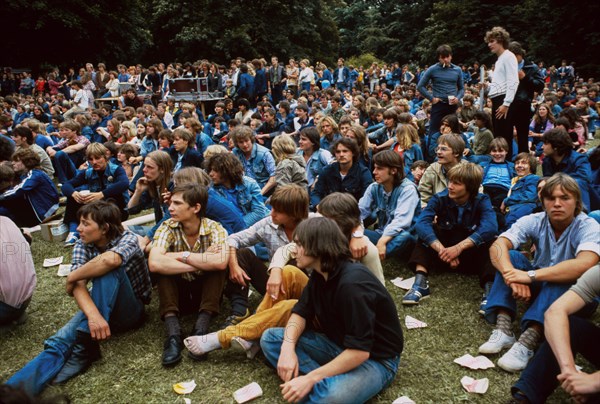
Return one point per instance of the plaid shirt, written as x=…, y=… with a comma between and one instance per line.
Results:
x=134, y=262
x=64, y=143
x=171, y=237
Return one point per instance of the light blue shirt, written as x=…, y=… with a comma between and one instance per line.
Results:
x=583, y=234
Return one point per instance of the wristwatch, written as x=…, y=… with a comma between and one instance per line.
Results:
x=358, y=234
x=531, y=275
x=185, y=256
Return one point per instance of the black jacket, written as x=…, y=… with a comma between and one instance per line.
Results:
x=533, y=81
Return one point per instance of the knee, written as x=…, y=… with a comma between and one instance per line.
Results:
x=271, y=337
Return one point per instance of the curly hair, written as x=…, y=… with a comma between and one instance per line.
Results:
x=228, y=166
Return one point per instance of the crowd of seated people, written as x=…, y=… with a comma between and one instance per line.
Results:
x=248, y=183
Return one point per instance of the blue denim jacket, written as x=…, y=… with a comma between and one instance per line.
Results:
x=523, y=191
x=479, y=219
x=394, y=212
x=249, y=200
x=577, y=166
x=260, y=166
x=148, y=145
x=315, y=164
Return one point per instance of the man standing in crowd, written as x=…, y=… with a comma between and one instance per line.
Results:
x=503, y=87
x=447, y=87
x=341, y=76
x=530, y=81
x=277, y=79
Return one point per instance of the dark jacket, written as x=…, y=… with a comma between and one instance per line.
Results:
x=191, y=158
x=533, y=81
x=356, y=182
x=478, y=220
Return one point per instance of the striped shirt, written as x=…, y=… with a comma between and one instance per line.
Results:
x=133, y=261
x=171, y=237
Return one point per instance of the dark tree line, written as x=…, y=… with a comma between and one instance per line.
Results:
x=63, y=32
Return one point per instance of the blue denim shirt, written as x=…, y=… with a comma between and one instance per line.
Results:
x=260, y=166
x=249, y=200
x=315, y=164
x=395, y=212
x=478, y=219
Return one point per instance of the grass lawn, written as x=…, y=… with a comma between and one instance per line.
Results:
x=130, y=370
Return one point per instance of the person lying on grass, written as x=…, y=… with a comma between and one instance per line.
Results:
x=567, y=244
x=109, y=257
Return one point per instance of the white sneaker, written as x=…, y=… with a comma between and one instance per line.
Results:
x=497, y=342
x=516, y=358
x=248, y=347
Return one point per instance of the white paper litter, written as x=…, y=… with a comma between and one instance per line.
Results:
x=412, y=322
x=52, y=262
x=475, y=386
x=64, y=270
x=403, y=400
x=479, y=362
x=405, y=284
x=247, y=393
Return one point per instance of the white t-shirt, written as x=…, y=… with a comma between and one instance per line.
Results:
x=505, y=79
x=81, y=99
x=17, y=273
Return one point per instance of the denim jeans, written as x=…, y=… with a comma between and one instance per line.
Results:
x=315, y=350
x=438, y=111
x=113, y=296
x=64, y=166
x=400, y=245
x=538, y=380
x=543, y=294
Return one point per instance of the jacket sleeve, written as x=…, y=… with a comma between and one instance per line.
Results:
x=258, y=209
x=405, y=211
x=365, y=203
x=29, y=183
x=366, y=179
x=424, y=225
x=69, y=187
x=488, y=225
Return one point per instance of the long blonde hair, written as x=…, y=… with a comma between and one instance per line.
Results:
x=165, y=166
x=283, y=147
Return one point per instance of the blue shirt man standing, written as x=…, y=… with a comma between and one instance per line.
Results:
x=447, y=87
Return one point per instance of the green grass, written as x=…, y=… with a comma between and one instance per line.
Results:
x=130, y=369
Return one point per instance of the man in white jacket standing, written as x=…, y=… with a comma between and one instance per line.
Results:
x=504, y=84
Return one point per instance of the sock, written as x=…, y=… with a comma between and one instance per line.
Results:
x=530, y=338
x=421, y=279
x=172, y=324
x=202, y=344
x=504, y=324
x=202, y=323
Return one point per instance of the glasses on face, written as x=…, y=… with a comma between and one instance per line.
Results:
x=442, y=149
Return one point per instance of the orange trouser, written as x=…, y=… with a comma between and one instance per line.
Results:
x=270, y=313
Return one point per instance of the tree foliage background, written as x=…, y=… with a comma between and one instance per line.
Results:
x=64, y=32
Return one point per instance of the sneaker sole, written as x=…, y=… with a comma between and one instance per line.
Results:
x=488, y=352
x=412, y=302
x=508, y=368
x=197, y=358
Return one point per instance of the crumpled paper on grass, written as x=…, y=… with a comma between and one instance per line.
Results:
x=405, y=284
x=412, y=322
x=184, y=387
x=403, y=400
x=479, y=386
x=479, y=362
x=247, y=393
